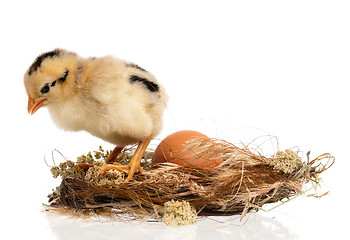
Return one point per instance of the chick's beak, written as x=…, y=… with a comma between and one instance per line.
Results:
x=35, y=104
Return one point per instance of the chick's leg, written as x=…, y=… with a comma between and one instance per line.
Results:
x=114, y=154
x=134, y=164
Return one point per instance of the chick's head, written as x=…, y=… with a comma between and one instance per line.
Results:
x=50, y=79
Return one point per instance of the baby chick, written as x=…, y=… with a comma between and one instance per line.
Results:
x=112, y=99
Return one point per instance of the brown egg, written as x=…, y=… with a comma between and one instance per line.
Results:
x=180, y=148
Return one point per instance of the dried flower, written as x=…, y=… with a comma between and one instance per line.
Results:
x=286, y=161
x=109, y=177
x=67, y=169
x=179, y=213
x=71, y=169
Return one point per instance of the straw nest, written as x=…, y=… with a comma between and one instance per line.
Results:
x=244, y=181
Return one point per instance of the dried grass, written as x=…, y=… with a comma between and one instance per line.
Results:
x=244, y=181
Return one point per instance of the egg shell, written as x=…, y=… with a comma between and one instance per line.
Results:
x=174, y=149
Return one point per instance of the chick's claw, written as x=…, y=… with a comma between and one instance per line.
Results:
x=121, y=168
x=129, y=169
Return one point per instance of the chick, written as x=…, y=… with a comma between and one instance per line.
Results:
x=112, y=99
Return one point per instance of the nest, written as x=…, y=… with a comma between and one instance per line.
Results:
x=244, y=181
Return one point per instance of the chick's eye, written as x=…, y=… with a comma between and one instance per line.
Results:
x=45, y=89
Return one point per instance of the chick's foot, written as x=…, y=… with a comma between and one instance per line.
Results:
x=134, y=164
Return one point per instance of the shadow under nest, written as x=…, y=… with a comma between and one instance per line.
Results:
x=244, y=181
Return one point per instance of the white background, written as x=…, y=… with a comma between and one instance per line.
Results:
x=233, y=69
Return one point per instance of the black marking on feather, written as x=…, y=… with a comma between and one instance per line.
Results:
x=133, y=65
x=63, y=78
x=38, y=61
x=151, y=86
